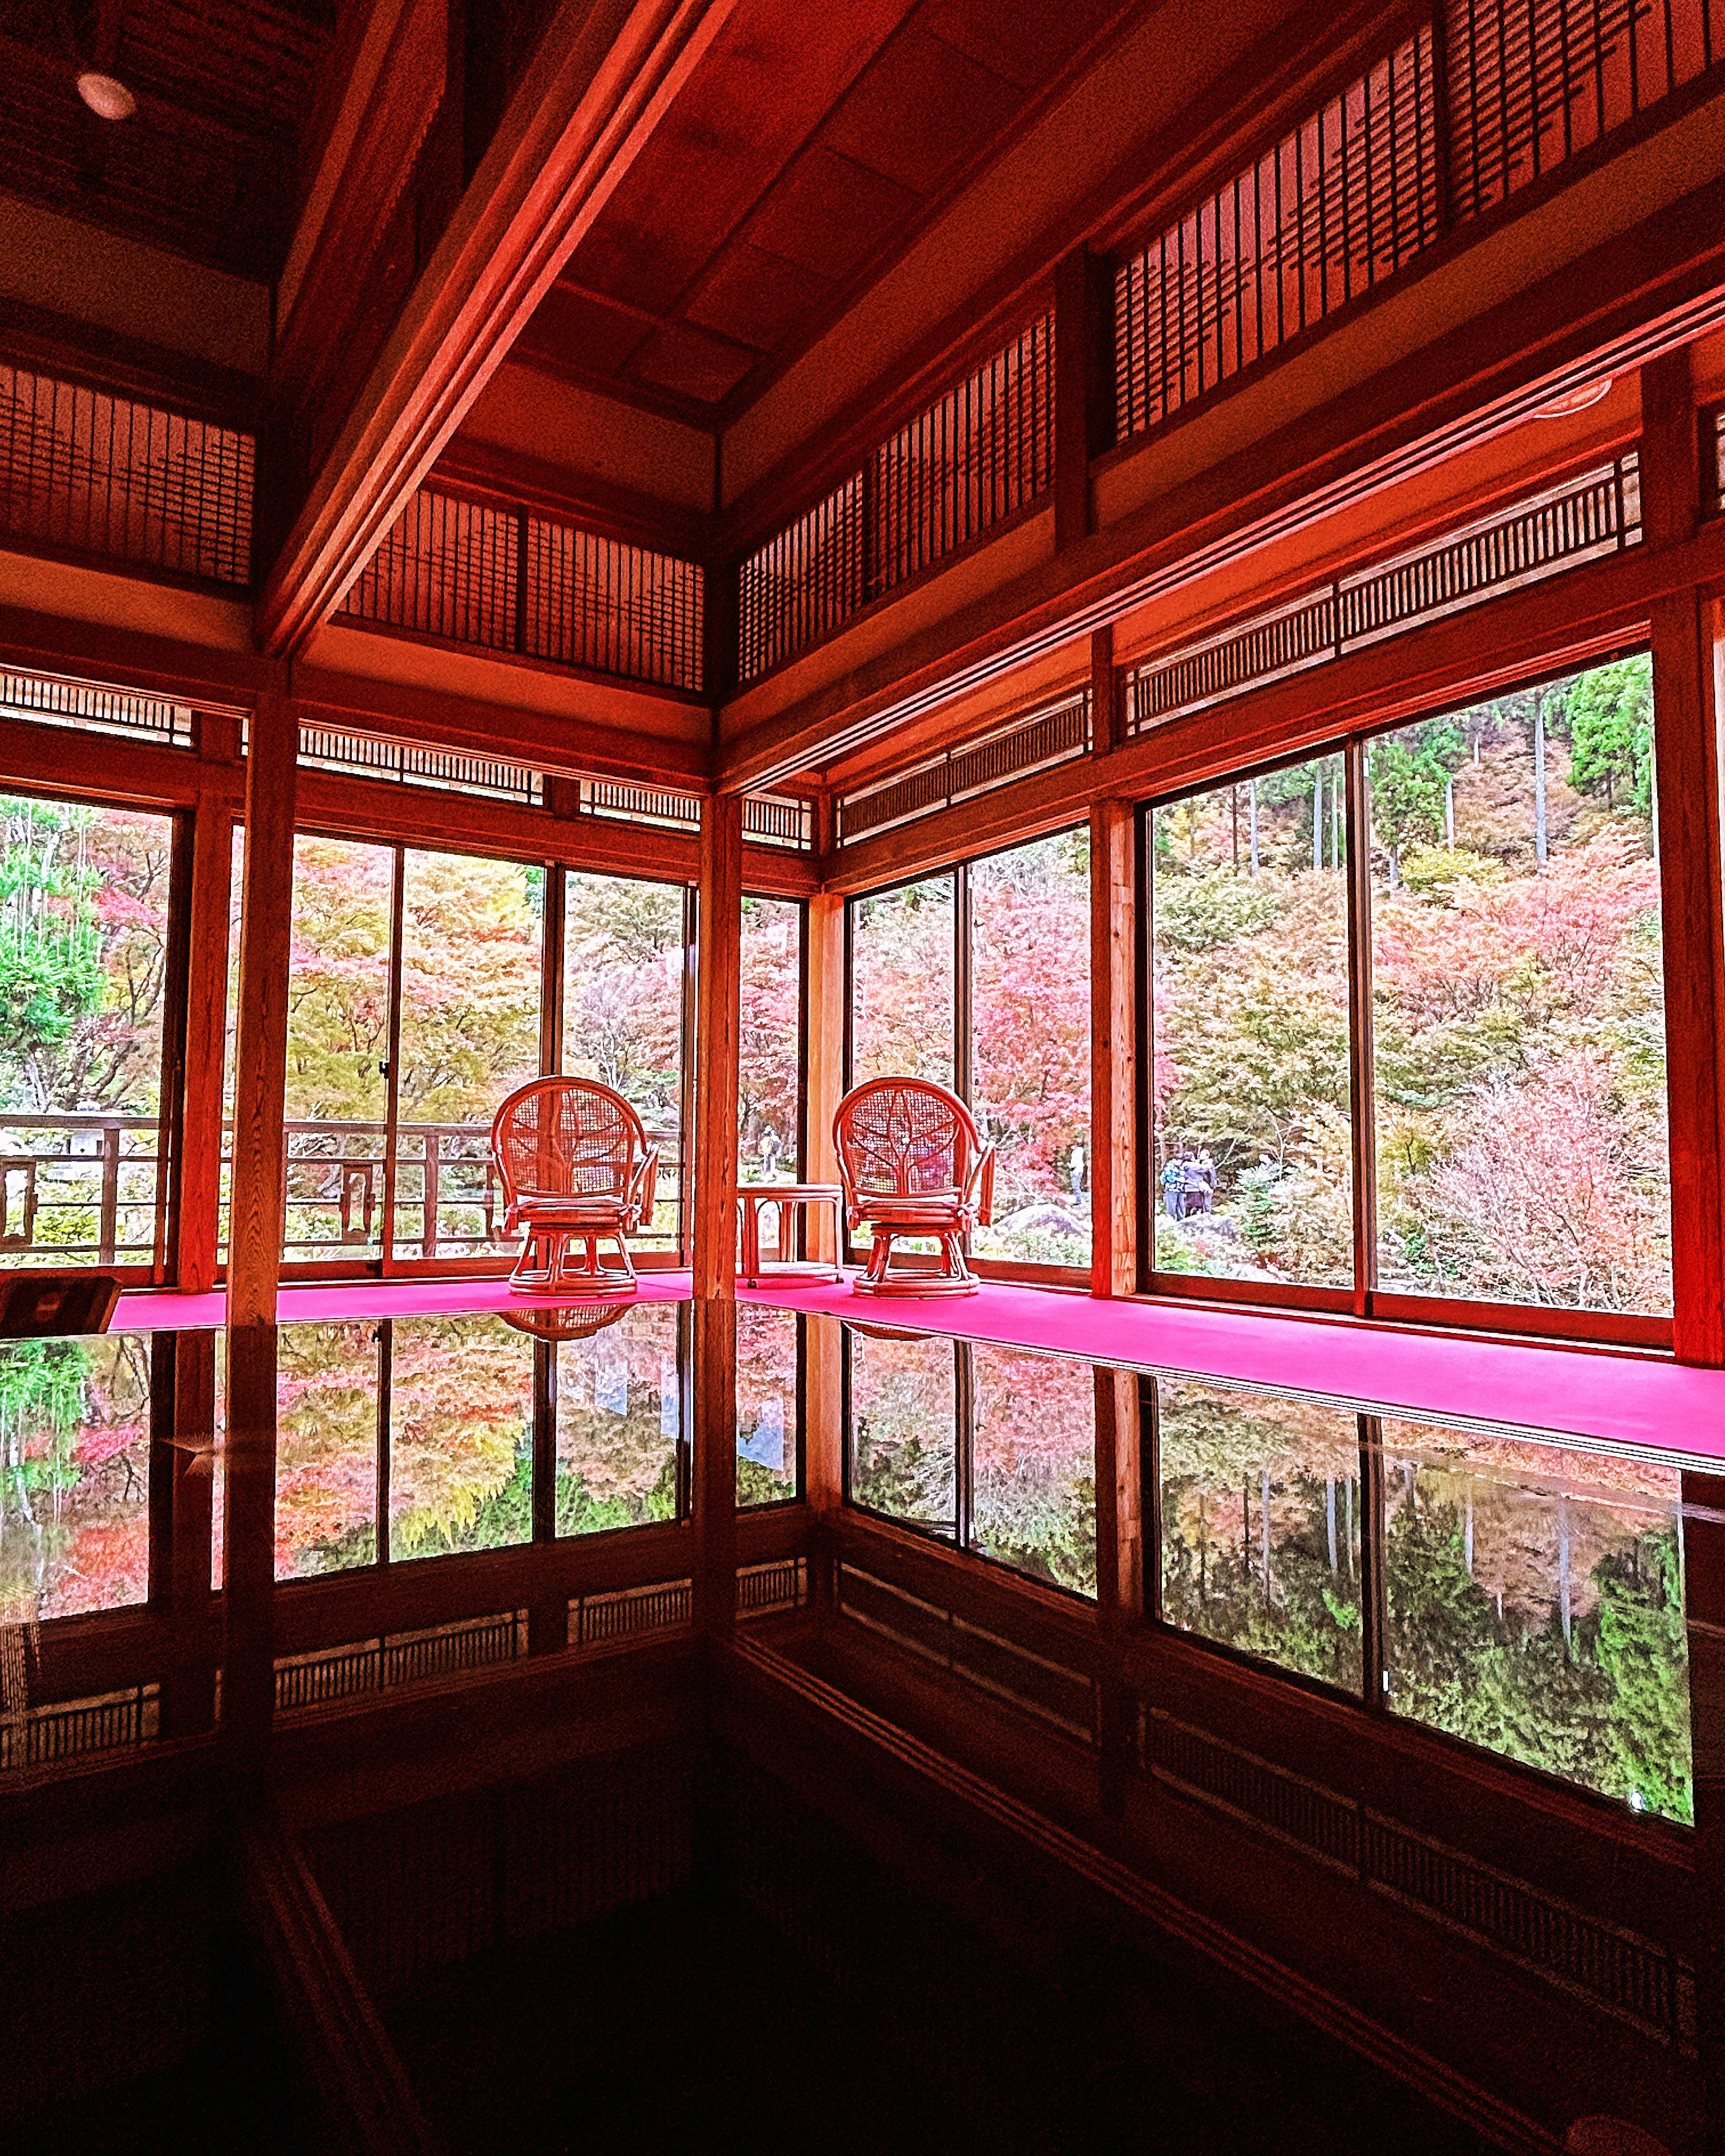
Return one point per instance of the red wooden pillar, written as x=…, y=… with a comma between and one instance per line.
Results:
x=1084, y=385
x=1120, y=1563
x=714, y=1315
x=1686, y=751
x=205, y=1044
x=1114, y=1132
x=254, y=1235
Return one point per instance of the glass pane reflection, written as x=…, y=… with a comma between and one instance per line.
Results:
x=1032, y=1465
x=74, y=1475
x=1260, y=1524
x=460, y=1436
x=1536, y=1607
x=326, y=1448
x=769, y=1417
x=904, y=1428
x=619, y=1423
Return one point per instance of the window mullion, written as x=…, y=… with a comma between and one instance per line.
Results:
x=392, y=1087
x=1359, y=1032
x=1374, y=1600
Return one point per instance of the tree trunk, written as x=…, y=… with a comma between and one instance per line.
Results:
x=1317, y=819
x=1252, y=814
x=1539, y=829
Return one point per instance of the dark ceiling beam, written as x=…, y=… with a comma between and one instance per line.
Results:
x=600, y=80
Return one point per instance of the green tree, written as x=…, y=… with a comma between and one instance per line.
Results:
x=1611, y=732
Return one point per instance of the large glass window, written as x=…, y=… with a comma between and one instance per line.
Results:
x=74, y=1475
x=470, y=994
x=1251, y=1162
x=1517, y=1001
x=1030, y=1045
x=624, y=965
x=327, y=1381
x=83, y=970
x=420, y=1000
x=337, y=1047
x=619, y=1421
x=980, y=981
x=1033, y=1465
x=902, y=1421
x=769, y=1404
x=769, y=1096
x=461, y=1412
x=903, y=1001
x=987, y=1448
x=1505, y=919
x=1260, y=1524
x=1535, y=1603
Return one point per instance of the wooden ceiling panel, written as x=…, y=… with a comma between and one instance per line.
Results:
x=756, y=299
x=1021, y=39
x=689, y=363
x=582, y=330
x=764, y=88
x=921, y=109
x=829, y=214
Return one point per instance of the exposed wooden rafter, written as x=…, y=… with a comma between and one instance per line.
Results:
x=587, y=103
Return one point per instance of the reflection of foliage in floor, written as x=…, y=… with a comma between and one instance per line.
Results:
x=1608, y=1708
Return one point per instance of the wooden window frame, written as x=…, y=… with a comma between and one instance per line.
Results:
x=1364, y=1299
x=963, y=1030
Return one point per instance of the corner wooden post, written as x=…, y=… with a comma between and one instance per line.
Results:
x=1685, y=735
x=1083, y=381
x=824, y=1060
x=188, y=1699
x=714, y=1314
x=206, y=1047
x=1704, y=1587
x=1114, y=1110
x=255, y=1226
x=823, y=1338
x=1120, y=1559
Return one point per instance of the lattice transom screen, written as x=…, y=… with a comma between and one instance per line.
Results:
x=982, y=451
x=104, y=475
x=1336, y=206
x=506, y=580
x=94, y=707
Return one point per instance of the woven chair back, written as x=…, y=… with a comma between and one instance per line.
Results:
x=904, y=1137
x=568, y=1137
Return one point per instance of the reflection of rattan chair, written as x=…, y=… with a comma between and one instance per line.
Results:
x=564, y=1320
x=576, y=1167
x=912, y=1164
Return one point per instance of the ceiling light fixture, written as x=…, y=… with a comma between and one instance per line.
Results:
x=1574, y=400
x=106, y=96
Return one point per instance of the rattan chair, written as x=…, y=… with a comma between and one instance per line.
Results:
x=576, y=1167
x=912, y=1164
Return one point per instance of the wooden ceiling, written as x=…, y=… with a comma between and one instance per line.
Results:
x=206, y=164
x=809, y=146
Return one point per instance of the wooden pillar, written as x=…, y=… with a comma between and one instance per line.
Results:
x=188, y=1697
x=1114, y=1111
x=824, y=1053
x=206, y=1046
x=255, y=1226
x=1084, y=385
x=714, y=1314
x=1120, y=1560
x=1704, y=1590
x=1683, y=634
